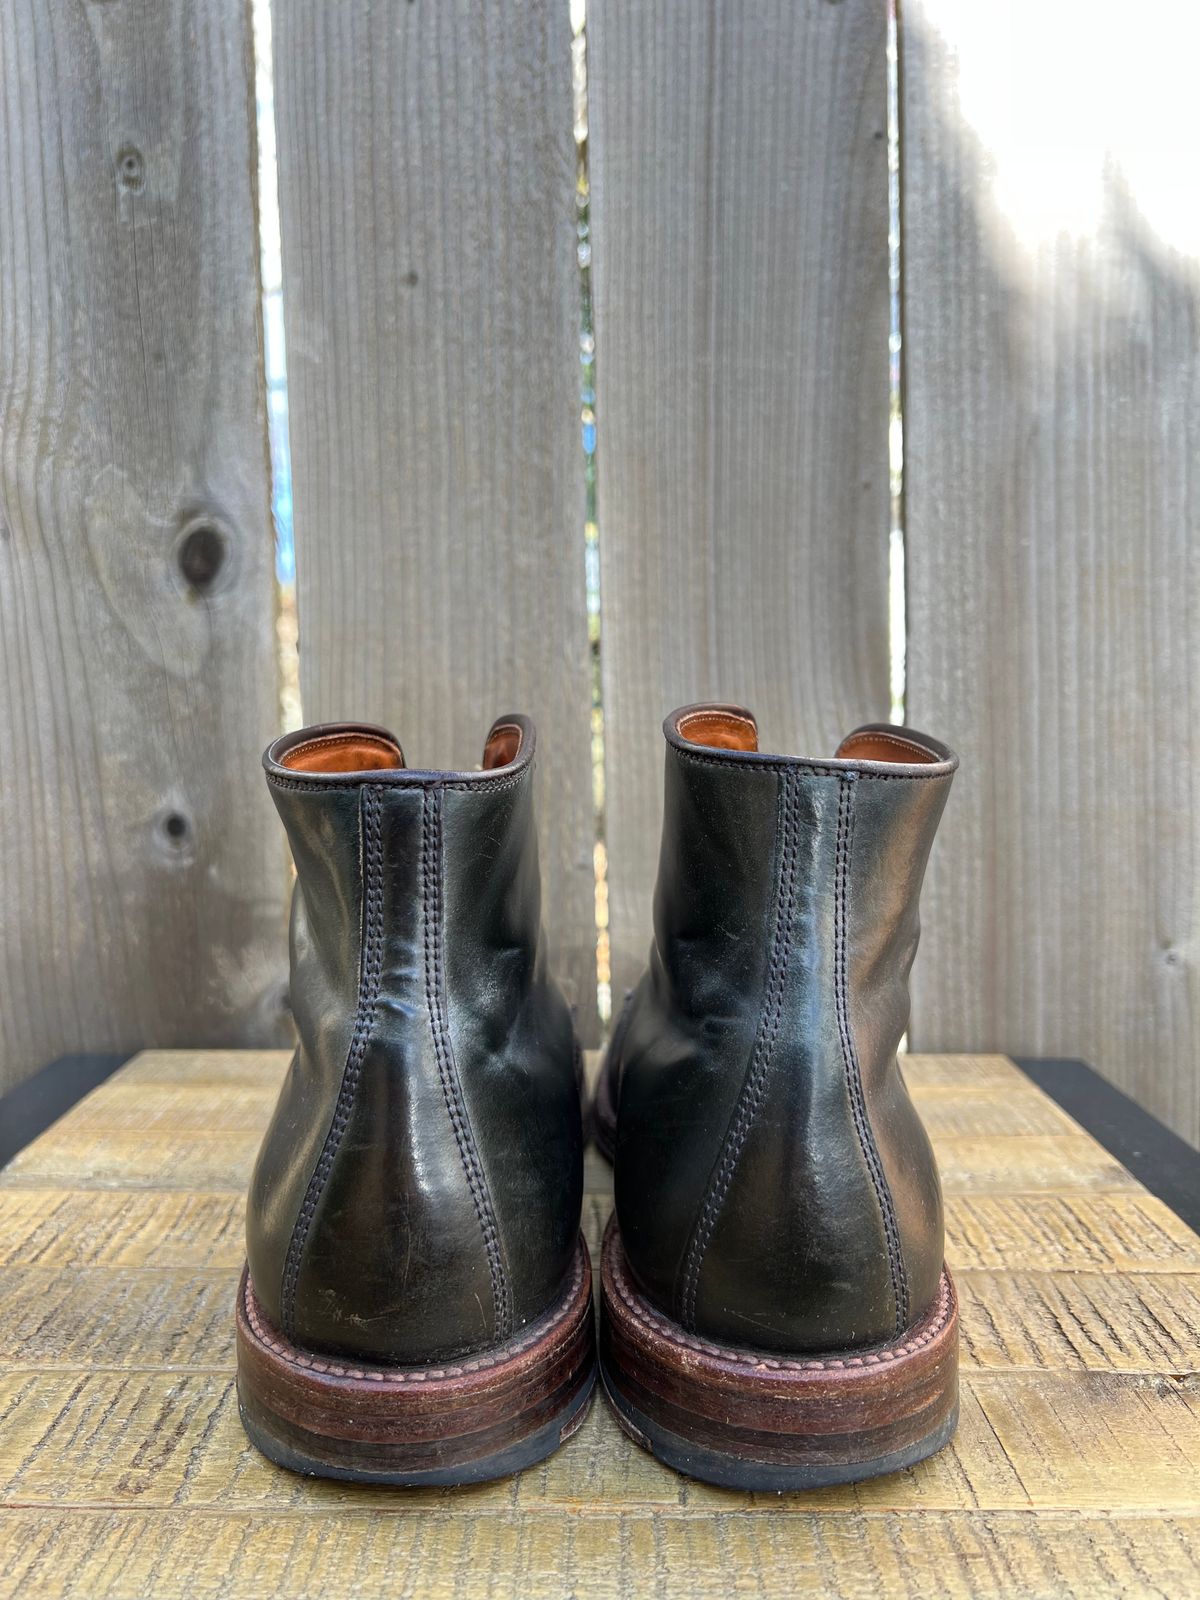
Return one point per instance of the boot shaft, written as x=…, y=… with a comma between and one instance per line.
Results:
x=774, y=1184
x=418, y=1192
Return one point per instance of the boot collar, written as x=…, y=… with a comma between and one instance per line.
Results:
x=726, y=733
x=347, y=754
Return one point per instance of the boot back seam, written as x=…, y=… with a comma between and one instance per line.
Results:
x=369, y=984
x=435, y=993
x=754, y=1084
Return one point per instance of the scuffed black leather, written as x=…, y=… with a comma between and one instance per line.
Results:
x=418, y=1192
x=775, y=1187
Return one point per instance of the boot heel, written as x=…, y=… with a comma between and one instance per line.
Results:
x=485, y=1416
x=751, y=1421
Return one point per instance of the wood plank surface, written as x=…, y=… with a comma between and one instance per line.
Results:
x=144, y=877
x=124, y=1468
x=991, y=1556
x=739, y=221
x=431, y=297
x=1052, y=517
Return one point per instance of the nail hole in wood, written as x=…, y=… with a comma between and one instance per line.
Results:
x=131, y=169
x=175, y=828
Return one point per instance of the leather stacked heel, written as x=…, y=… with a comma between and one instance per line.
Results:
x=480, y=1417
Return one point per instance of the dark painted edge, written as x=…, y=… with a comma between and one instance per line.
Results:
x=1166, y=1164
x=30, y=1108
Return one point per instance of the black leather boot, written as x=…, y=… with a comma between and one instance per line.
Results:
x=776, y=1313
x=417, y=1304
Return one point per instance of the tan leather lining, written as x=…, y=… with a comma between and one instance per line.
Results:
x=722, y=730
x=502, y=746
x=875, y=746
x=344, y=752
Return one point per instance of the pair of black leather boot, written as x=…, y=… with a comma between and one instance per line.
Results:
x=417, y=1305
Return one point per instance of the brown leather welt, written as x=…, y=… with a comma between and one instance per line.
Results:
x=418, y=1377
x=921, y=1334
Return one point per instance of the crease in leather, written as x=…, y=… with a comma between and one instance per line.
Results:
x=510, y=1023
x=758, y=1066
x=435, y=995
x=690, y=1015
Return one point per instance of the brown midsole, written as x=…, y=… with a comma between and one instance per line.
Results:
x=361, y=1415
x=846, y=1407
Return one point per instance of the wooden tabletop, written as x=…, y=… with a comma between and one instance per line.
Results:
x=124, y=1469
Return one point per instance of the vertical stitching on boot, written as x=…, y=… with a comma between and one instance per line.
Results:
x=369, y=979
x=858, y=1104
x=754, y=1085
x=435, y=991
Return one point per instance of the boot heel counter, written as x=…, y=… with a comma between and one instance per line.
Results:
x=894, y=823
x=394, y=1265
x=777, y=1250
x=324, y=832
x=364, y=1235
x=285, y=1158
x=799, y=1256
x=796, y=1246
x=910, y=1164
x=404, y=1257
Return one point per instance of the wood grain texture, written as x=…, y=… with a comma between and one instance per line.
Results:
x=1052, y=513
x=427, y=179
x=109, y=1555
x=143, y=876
x=120, y=1228
x=1071, y=1232
x=124, y=1468
x=739, y=216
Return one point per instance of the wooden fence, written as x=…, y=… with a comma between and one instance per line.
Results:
x=739, y=226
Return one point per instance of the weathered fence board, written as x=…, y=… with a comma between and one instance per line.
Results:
x=739, y=179
x=1052, y=508
x=143, y=875
x=427, y=175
